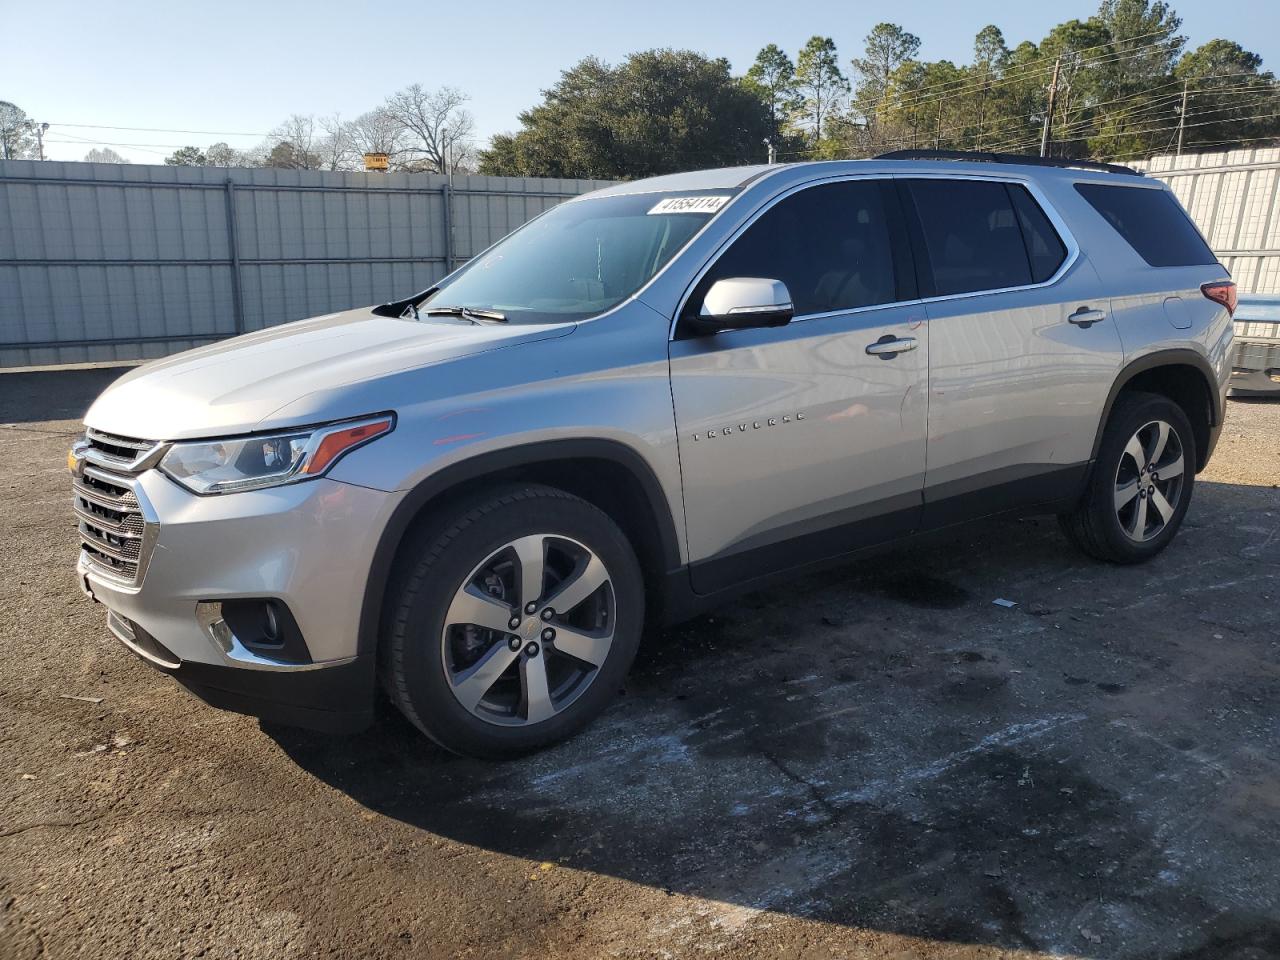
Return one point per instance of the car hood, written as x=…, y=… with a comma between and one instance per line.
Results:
x=236, y=385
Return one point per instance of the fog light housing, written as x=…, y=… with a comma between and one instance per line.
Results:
x=257, y=630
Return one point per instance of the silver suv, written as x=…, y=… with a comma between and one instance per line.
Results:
x=641, y=401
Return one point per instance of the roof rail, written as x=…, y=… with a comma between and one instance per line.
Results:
x=982, y=157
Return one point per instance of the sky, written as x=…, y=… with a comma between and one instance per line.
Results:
x=241, y=68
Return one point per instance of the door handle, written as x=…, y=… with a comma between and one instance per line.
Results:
x=889, y=346
x=1085, y=317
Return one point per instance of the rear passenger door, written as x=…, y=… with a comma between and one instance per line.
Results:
x=1022, y=348
x=796, y=442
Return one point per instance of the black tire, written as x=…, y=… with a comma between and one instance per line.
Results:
x=1094, y=525
x=435, y=564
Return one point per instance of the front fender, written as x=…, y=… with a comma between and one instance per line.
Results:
x=603, y=393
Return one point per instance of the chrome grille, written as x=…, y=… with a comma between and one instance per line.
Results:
x=115, y=533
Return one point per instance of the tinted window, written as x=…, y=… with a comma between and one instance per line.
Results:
x=1045, y=248
x=1151, y=221
x=829, y=244
x=971, y=234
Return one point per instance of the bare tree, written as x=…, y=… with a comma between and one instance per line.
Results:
x=335, y=149
x=293, y=144
x=103, y=155
x=377, y=132
x=255, y=156
x=437, y=128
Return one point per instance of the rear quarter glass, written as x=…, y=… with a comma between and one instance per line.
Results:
x=1152, y=223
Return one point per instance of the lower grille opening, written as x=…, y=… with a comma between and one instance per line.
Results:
x=141, y=642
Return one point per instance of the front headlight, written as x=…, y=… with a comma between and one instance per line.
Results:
x=269, y=459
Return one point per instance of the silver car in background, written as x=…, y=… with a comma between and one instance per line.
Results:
x=643, y=401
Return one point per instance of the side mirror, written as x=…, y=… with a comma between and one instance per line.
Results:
x=739, y=303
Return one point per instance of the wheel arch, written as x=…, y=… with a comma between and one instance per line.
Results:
x=1186, y=378
x=606, y=473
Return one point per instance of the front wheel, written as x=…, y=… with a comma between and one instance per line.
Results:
x=513, y=622
x=1141, y=483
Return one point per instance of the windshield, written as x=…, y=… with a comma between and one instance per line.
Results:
x=579, y=259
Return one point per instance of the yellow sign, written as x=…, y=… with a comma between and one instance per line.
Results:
x=375, y=161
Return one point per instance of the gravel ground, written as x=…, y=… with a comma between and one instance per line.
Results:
x=876, y=762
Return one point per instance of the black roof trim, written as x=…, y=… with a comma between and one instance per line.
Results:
x=981, y=157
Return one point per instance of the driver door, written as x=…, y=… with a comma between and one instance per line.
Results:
x=796, y=443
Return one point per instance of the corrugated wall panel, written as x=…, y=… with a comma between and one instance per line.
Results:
x=140, y=256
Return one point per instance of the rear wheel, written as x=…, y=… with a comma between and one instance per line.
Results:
x=1141, y=483
x=513, y=623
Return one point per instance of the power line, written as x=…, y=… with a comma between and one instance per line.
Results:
x=1174, y=82
x=1101, y=120
x=1275, y=138
x=208, y=133
x=1008, y=146
x=1205, y=123
x=89, y=142
x=118, y=143
x=1142, y=104
x=969, y=85
x=992, y=125
x=1027, y=71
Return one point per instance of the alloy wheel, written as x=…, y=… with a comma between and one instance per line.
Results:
x=1149, y=480
x=528, y=630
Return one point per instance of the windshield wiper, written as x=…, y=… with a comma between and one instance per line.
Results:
x=470, y=313
x=497, y=316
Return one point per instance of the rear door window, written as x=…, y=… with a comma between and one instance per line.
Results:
x=1045, y=249
x=830, y=244
x=971, y=235
x=1152, y=222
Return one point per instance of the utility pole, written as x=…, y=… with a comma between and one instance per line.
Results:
x=40, y=129
x=446, y=149
x=1048, y=114
x=1182, y=115
x=937, y=129
x=982, y=105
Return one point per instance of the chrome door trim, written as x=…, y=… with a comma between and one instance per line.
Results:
x=1050, y=211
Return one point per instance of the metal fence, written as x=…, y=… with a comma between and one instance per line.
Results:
x=1234, y=198
x=119, y=261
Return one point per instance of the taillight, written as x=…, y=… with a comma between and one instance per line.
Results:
x=1223, y=292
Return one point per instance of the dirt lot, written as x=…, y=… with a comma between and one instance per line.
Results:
x=877, y=762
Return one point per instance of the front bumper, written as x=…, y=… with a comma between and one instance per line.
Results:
x=332, y=697
x=307, y=545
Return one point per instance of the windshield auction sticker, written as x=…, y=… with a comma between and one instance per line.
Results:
x=689, y=205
